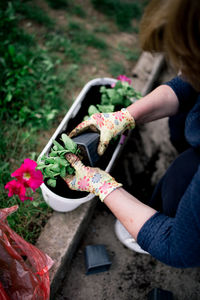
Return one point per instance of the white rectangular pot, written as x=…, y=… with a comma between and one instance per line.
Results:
x=61, y=198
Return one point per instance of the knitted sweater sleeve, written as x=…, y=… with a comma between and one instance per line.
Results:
x=176, y=241
x=184, y=91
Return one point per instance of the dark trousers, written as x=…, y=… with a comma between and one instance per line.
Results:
x=173, y=184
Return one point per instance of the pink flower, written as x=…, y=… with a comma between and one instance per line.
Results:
x=28, y=175
x=124, y=78
x=17, y=188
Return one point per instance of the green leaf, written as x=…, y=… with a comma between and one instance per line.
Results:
x=55, y=168
x=11, y=50
x=105, y=100
x=70, y=170
x=63, y=172
x=117, y=100
x=92, y=110
x=118, y=85
x=53, y=154
x=49, y=160
x=62, y=161
x=59, y=147
x=51, y=182
x=43, y=205
x=111, y=93
x=35, y=204
x=8, y=97
x=48, y=172
x=69, y=144
x=127, y=102
x=106, y=108
x=85, y=118
x=102, y=89
x=41, y=166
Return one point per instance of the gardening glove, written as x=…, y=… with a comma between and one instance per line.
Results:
x=108, y=124
x=92, y=180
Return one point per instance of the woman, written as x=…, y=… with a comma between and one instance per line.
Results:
x=169, y=228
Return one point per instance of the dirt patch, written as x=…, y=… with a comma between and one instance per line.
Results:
x=131, y=276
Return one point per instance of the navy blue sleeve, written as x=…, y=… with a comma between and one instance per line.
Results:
x=184, y=91
x=176, y=241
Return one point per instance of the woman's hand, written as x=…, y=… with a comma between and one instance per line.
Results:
x=92, y=180
x=108, y=124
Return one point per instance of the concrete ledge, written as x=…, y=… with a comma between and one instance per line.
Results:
x=62, y=233
x=146, y=71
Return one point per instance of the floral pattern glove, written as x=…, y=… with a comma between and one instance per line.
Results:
x=108, y=124
x=92, y=180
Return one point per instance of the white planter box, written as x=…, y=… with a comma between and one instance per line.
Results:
x=61, y=198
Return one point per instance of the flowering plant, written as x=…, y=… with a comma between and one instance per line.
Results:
x=31, y=174
x=120, y=94
x=27, y=180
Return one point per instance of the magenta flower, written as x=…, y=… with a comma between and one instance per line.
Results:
x=17, y=188
x=28, y=175
x=124, y=78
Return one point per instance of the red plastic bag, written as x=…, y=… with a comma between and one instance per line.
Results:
x=23, y=267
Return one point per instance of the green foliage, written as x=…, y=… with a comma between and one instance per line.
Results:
x=130, y=54
x=77, y=10
x=121, y=11
x=80, y=35
x=102, y=28
x=33, y=215
x=58, y=42
x=56, y=164
x=29, y=88
x=116, y=68
x=33, y=12
x=58, y=4
x=121, y=95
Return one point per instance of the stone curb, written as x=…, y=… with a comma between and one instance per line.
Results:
x=63, y=232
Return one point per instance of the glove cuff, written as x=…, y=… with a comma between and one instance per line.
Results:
x=107, y=188
x=129, y=120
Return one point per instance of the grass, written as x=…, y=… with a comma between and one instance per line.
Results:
x=40, y=75
x=30, y=11
x=130, y=54
x=116, y=68
x=15, y=145
x=58, y=4
x=80, y=35
x=123, y=12
x=59, y=43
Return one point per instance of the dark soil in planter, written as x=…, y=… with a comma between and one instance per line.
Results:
x=92, y=97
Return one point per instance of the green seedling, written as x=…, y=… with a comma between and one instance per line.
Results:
x=56, y=163
x=122, y=94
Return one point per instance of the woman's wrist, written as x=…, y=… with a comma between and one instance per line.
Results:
x=131, y=212
x=161, y=102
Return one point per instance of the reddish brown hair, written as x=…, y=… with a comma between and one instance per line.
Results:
x=173, y=27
